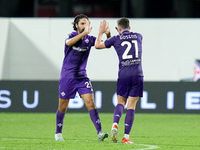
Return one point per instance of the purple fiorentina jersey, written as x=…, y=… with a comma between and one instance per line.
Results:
x=76, y=57
x=128, y=46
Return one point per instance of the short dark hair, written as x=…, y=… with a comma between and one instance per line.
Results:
x=77, y=19
x=123, y=23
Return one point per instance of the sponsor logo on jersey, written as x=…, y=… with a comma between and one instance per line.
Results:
x=131, y=62
x=80, y=48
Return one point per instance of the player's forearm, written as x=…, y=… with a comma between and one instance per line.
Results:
x=75, y=39
x=98, y=41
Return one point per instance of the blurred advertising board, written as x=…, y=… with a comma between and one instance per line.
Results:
x=42, y=96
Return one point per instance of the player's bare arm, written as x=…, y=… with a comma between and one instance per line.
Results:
x=86, y=30
x=104, y=28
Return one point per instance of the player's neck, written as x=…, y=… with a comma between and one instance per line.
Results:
x=123, y=31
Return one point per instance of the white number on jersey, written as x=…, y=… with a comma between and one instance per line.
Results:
x=87, y=84
x=129, y=45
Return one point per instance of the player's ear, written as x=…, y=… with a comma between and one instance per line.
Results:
x=116, y=29
x=129, y=27
x=119, y=29
x=76, y=25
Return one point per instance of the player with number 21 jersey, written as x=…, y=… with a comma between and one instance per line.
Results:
x=128, y=46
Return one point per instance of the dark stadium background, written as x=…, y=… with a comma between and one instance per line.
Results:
x=101, y=8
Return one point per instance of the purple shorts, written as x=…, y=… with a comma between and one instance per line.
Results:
x=131, y=86
x=69, y=86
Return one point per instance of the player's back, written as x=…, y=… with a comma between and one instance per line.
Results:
x=128, y=46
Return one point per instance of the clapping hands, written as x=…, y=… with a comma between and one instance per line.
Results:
x=104, y=27
x=88, y=29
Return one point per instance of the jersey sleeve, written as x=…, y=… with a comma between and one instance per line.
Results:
x=93, y=40
x=109, y=42
x=140, y=36
x=69, y=36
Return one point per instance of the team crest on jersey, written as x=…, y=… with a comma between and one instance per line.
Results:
x=86, y=40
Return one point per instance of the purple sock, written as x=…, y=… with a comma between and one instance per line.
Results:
x=94, y=116
x=129, y=120
x=118, y=113
x=59, y=121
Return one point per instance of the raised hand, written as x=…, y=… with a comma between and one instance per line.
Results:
x=102, y=27
x=87, y=29
x=107, y=28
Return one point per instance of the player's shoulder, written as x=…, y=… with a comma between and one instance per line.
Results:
x=90, y=36
x=72, y=34
x=139, y=35
x=115, y=36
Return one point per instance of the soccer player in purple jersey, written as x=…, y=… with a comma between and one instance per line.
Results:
x=73, y=77
x=128, y=46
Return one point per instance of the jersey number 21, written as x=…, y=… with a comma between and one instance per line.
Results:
x=129, y=45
